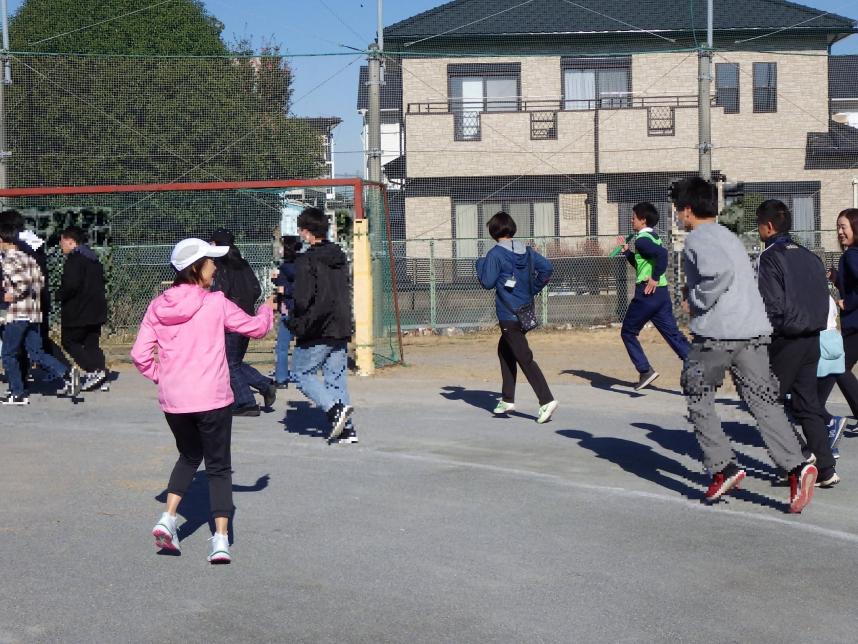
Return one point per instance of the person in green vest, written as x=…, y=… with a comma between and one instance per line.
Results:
x=651, y=302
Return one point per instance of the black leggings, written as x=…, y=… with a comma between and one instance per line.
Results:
x=514, y=351
x=846, y=381
x=204, y=435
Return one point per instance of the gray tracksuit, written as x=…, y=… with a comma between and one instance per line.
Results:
x=731, y=332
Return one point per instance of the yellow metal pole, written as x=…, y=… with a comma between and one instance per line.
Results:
x=363, y=298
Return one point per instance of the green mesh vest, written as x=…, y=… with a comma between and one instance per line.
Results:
x=644, y=266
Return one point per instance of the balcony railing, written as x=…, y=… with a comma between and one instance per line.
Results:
x=661, y=112
x=551, y=105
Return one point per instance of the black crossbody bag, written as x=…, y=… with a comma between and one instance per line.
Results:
x=526, y=314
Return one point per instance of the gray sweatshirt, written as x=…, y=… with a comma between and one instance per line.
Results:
x=723, y=294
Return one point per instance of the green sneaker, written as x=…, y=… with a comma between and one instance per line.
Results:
x=503, y=408
x=545, y=412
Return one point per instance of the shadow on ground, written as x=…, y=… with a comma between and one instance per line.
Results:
x=646, y=463
x=615, y=385
x=485, y=400
x=305, y=419
x=195, y=505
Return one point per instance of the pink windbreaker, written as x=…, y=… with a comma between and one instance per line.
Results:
x=187, y=323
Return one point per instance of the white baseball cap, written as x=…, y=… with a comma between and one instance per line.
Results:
x=187, y=251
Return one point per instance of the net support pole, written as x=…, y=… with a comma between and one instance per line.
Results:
x=704, y=87
x=363, y=299
x=6, y=79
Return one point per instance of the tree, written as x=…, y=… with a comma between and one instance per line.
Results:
x=156, y=96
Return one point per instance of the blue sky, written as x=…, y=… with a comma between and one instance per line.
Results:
x=322, y=26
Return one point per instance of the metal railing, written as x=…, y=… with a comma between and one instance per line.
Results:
x=519, y=104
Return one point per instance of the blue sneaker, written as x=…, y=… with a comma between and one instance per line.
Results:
x=835, y=430
x=835, y=452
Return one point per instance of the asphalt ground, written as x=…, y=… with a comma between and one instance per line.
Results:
x=444, y=524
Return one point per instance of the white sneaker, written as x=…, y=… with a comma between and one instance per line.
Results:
x=545, y=412
x=93, y=379
x=219, y=549
x=71, y=383
x=503, y=408
x=166, y=534
x=23, y=399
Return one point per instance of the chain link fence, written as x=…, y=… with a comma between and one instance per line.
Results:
x=439, y=289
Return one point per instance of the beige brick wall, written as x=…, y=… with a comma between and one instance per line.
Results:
x=625, y=144
x=772, y=146
x=664, y=74
x=505, y=147
x=608, y=212
x=573, y=215
x=428, y=218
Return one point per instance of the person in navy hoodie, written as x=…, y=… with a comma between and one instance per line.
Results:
x=284, y=282
x=506, y=268
x=846, y=280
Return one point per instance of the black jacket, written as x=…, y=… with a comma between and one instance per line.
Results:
x=323, y=311
x=235, y=277
x=82, y=292
x=794, y=287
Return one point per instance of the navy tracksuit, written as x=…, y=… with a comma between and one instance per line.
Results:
x=656, y=308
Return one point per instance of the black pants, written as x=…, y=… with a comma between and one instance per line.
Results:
x=204, y=435
x=513, y=351
x=794, y=361
x=81, y=342
x=846, y=381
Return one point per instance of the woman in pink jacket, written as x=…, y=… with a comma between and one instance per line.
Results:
x=186, y=324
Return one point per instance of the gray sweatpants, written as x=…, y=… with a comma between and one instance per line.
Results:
x=748, y=362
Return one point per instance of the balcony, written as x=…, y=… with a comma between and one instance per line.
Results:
x=543, y=112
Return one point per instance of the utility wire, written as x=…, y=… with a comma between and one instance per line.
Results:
x=622, y=22
x=798, y=24
x=342, y=22
x=444, y=33
x=102, y=22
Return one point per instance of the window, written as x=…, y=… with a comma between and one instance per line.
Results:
x=533, y=220
x=479, y=88
x=727, y=87
x=543, y=126
x=765, y=87
x=590, y=83
x=661, y=121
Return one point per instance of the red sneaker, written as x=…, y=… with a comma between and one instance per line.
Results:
x=801, y=481
x=723, y=482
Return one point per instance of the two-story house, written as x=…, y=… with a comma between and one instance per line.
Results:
x=566, y=114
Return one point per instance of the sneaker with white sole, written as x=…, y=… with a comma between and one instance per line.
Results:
x=93, y=380
x=802, y=481
x=835, y=430
x=348, y=437
x=166, y=533
x=722, y=482
x=646, y=379
x=545, y=412
x=338, y=415
x=71, y=383
x=219, y=549
x=827, y=481
x=503, y=408
x=11, y=399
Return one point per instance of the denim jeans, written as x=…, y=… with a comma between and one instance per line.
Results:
x=242, y=376
x=333, y=361
x=281, y=351
x=26, y=334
